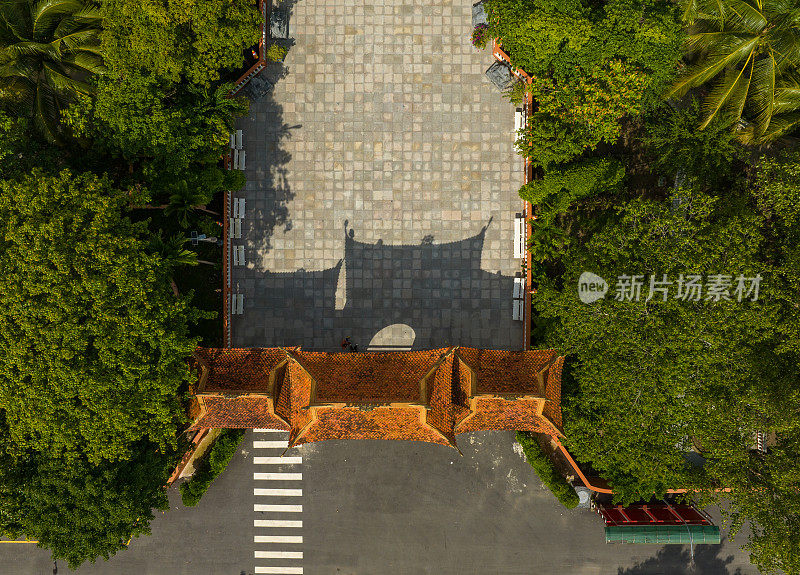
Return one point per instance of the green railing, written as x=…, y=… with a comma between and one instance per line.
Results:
x=663, y=534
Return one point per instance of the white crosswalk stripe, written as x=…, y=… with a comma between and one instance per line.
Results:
x=270, y=444
x=278, y=539
x=270, y=451
x=278, y=492
x=279, y=554
x=277, y=523
x=278, y=508
x=278, y=476
x=277, y=460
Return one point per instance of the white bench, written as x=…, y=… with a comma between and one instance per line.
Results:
x=233, y=140
x=238, y=208
x=519, y=236
x=237, y=304
x=238, y=256
x=239, y=139
x=242, y=155
x=234, y=228
x=519, y=120
x=519, y=299
x=518, y=315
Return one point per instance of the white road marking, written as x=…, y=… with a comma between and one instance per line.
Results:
x=277, y=523
x=279, y=492
x=277, y=460
x=278, y=539
x=281, y=508
x=278, y=508
x=270, y=444
x=279, y=554
x=279, y=476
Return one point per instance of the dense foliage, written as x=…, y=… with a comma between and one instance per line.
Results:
x=49, y=52
x=748, y=52
x=592, y=66
x=178, y=41
x=211, y=466
x=546, y=471
x=131, y=109
x=79, y=510
x=668, y=389
x=667, y=386
x=90, y=366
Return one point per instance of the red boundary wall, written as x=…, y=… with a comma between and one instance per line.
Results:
x=527, y=208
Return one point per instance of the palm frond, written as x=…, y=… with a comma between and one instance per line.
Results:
x=79, y=39
x=731, y=92
x=787, y=99
x=84, y=61
x=763, y=96
x=62, y=83
x=746, y=17
x=36, y=49
x=46, y=14
x=45, y=116
x=171, y=250
x=701, y=42
x=19, y=94
x=781, y=125
x=16, y=18
x=711, y=66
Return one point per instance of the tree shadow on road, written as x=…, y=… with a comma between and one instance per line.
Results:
x=677, y=560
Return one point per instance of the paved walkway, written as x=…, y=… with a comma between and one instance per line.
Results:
x=382, y=186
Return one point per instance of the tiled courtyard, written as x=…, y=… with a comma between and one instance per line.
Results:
x=382, y=186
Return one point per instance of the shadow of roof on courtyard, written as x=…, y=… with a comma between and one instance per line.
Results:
x=439, y=290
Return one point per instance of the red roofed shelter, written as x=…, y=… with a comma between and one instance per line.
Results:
x=428, y=395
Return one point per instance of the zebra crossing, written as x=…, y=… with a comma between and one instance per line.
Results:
x=278, y=507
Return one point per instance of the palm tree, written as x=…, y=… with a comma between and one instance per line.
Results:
x=171, y=250
x=185, y=200
x=49, y=49
x=750, y=52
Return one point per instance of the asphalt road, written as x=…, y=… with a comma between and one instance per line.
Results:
x=392, y=508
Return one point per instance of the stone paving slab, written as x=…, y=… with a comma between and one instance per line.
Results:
x=382, y=186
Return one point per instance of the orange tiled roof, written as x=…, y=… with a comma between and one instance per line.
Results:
x=241, y=412
x=500, y=413
x=382, y=422
x=506, y=372
x=368, y=377
x=237, y=369
x=419, y=395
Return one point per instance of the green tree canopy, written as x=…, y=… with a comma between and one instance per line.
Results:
x=78, y=510
x=94, y=340
x=178, y=40
x=749, y=53
x=48, y=52
x=654, y=385
x=592, y=65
